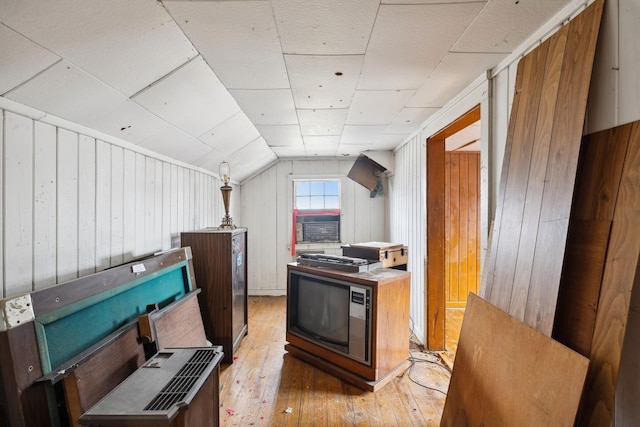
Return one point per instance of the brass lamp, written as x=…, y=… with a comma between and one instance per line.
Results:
x=225, y=175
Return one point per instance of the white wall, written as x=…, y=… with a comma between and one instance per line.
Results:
x=76, y=202
x=267, y=202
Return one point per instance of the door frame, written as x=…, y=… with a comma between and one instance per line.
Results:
x=435, y=322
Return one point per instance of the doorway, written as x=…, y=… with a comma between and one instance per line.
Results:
x=441, y=265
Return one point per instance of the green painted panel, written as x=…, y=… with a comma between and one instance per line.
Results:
x=63, y=335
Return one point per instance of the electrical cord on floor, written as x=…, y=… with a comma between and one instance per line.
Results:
x=413, y=361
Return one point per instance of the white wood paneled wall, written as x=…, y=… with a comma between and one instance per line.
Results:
x=408, y=220
x=267, y=213
x=74, y=204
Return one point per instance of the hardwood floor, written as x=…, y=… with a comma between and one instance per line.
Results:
x=265, y=386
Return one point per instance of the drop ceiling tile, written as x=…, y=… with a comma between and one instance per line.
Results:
x=251, y=158
x=330, y=27
x=322, y=122
x=21, y=59
x=388, y=142
x=231, y=135
x=360, y=135
x=456, y=72
x=400, y=2
x=192, y=98
x=122, y=42
x=211, y=161
x=176, y=144
x=281, y=136
x=238, y=39
x=408, y=42
x=353, y=149
x=67, y=92
x=409, y=120
x=321, y=145
x=376, y=107
x=505, y=24
x=289, y=152
x=267, y=107
x=315, y=83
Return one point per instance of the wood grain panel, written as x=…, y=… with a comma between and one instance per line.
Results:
x=621, y=274
x=600, y=165
x=561, y=170
x=434, y=273
x=462, y=243
x=505, y=379
x=539, y=172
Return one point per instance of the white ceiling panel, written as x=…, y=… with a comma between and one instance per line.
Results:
x=353, y=149
x=232, y=134
x=238, y=39
x=376, y=107
x=123, y=43
x=267, y=107
x=464, y=137
x=177, y=144
x=388, y=142
x=328, y=27
x=322, y=122
x=426, y=1
x=321, y=145
x=285, y=152
x=456, y=71
x=192, y=98
x=408, y=42
x=251, y=157
x=212, y=160
x=505, y=24
x=70, y=93
x=21, y=59
x=281, y=136
x=408, y=120
x=360, y=135
x=323, y=81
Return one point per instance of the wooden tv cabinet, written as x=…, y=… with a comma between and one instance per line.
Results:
x=390, y=337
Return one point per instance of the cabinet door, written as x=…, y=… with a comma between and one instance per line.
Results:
x=238, y=279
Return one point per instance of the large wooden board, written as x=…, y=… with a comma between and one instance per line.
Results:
x=534, y=201
x=508, y=374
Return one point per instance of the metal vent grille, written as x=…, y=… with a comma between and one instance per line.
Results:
x=182, y=383
x=322, y=231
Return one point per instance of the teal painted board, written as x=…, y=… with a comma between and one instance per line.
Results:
x=66, y=332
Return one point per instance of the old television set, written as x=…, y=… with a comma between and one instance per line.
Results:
x=331, y=313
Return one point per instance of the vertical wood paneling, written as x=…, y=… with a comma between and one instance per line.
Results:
x=129, y=206
x=117, y=206
x=141, y=196
x=72, y=205
x=44, y=206
x=103, y=205
x=166, y=207
x=462, y=244
x=86, y=205
x=67, y=215
x=543, y=184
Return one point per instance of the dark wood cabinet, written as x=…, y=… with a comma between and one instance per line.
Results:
x=220, y=267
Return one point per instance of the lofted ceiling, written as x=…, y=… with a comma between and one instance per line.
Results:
x=252, y=81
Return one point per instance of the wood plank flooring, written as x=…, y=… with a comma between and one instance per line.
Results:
x=265, y=386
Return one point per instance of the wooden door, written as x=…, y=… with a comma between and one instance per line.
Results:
x=462, y=226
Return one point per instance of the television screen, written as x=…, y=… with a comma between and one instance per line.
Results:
x=323, y=310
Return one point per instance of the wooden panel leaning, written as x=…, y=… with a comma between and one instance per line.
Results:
x=508, y=374
x=536, y=189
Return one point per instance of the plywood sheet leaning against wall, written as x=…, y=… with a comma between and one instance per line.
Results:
x=522, y=272
x=517, y=377
x=606, y=327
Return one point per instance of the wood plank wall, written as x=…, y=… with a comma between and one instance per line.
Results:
x=74, y=204
x=530, y=229
x=596, y=315
x=462, y=226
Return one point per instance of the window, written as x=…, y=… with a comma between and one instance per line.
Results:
x=317, y=211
